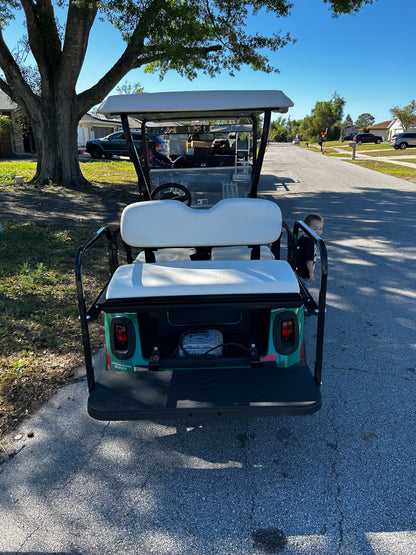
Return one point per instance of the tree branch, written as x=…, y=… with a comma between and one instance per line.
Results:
x=78, y=27
x=90, y=97
x=43, y=34
x=5, y=88
x=15, y=87
x=201, y=52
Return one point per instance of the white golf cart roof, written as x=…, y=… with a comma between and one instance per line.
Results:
x=196, y=104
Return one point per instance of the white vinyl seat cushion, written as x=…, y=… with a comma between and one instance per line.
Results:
x=222, y=277
x=231, y=222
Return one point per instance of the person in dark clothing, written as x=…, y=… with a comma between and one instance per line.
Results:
x=306, y=254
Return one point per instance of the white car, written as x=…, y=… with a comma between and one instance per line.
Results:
x=295, y=142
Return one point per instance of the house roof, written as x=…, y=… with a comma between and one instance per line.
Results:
x=6, y=103
x=397, y=122
x=89, y=117
x=382, y=125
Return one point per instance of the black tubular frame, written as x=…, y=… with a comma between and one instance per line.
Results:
x=320, y=308
x=112, y=237
x=142, y=174
x=90, y=314
x=275, y=247
x=258, y=161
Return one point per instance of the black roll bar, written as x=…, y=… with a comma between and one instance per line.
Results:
x=86, y=315
x=321, y=310
x=275, y=247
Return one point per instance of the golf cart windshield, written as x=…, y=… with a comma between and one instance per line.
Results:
x=214, y=152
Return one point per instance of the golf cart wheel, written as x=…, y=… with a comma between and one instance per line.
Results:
x=172, y=191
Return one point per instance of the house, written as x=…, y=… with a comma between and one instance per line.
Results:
x=10, y=143
x=348, y=131
x=380, y=129
x=396, y=127
x=95, y=126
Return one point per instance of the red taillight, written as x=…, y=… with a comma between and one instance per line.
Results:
x=121, y=336
x=287, y=330
x=158, y=145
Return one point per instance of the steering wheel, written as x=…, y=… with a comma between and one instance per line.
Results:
x=172, y=191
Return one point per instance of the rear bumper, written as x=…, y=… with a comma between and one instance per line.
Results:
x=151, y=395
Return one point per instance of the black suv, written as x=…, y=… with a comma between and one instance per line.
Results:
x=361, y=138
x=116, y=143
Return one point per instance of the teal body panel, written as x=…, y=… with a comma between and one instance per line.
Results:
x=127, y=365
x=284, y=361
x=114, y=362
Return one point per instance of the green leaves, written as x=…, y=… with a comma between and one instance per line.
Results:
x=347, y=6
x=7, y=8
x=406, y=115
x=364, y=120
x=326, y=114
x=5, y=124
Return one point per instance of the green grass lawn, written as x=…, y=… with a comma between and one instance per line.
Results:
x=9, y=169
x=402, y=172
x=100, y=172
x=393, y=152
x=370, y=146
x=345, y=145
x=40, y=341
x=39, y=329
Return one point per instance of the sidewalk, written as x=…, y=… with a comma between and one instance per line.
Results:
x=360, y=155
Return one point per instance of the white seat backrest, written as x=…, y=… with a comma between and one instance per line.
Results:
x=170, y=223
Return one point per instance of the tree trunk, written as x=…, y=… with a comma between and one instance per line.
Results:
x=56, y=137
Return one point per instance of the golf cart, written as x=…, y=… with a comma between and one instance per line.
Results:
x=204, y=318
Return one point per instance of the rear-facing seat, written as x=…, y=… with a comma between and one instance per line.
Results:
x=229, y=228
x=168, y=224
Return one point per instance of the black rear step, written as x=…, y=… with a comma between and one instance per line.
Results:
x=151, y=395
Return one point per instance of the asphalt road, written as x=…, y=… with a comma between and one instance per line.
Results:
x=341, y=481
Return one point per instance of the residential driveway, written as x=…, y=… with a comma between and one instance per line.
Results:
x=341, y=481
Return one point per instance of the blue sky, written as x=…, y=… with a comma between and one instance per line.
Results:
x=368, y=58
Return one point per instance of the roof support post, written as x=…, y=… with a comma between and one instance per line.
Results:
x=143, y=182
x=259, y=161
x=254, y=140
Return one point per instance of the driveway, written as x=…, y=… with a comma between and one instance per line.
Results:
x=341, y=481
